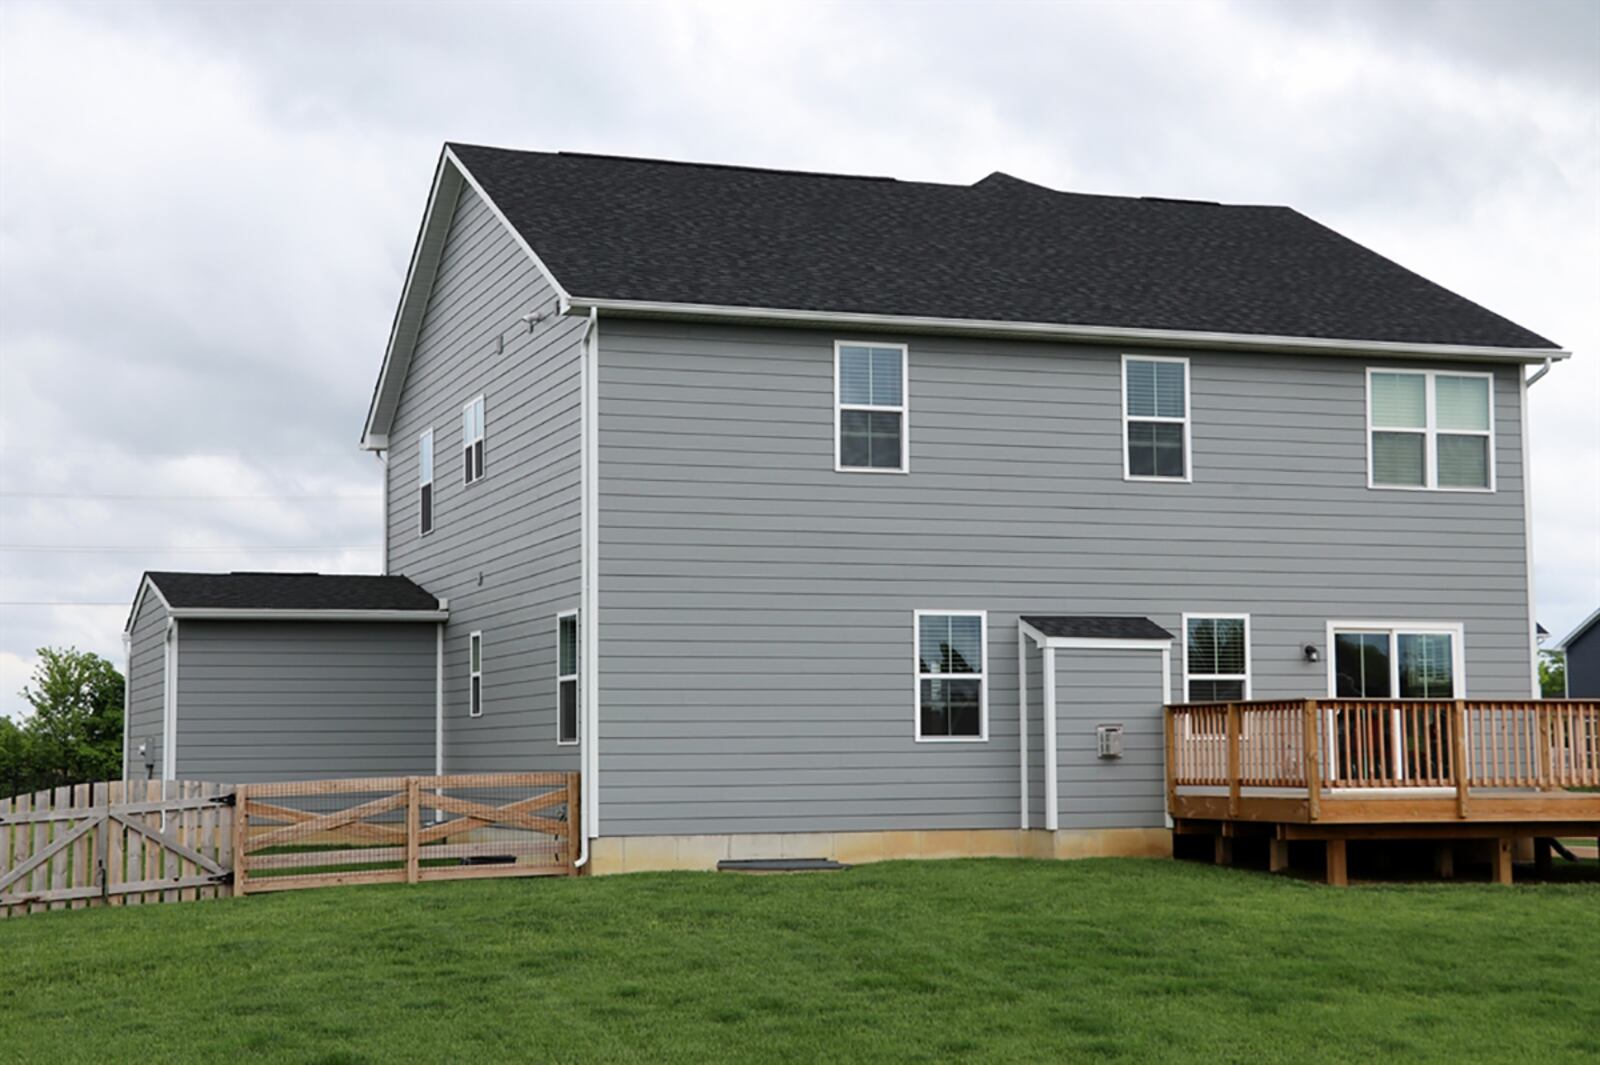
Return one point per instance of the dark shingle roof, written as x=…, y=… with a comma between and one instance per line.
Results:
x=999, y=250
x=290, y=591
x=1082, y=626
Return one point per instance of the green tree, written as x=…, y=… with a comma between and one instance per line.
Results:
x=1552, y=674
x=16, y=762
x=75, y=731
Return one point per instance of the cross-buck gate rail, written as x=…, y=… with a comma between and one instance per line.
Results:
x=405, y=830
x=115, y=843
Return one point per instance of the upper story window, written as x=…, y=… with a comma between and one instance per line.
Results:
x=870, y=432
x=425, y=482
x=1155, y=418
x=475, y=670
x=1377, y=661
x=472, y=441
x=952, y=687
x=1428, y=429
x=1216, y=657
x=567, y=678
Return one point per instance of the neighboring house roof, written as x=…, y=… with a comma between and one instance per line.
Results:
x=1001, y=255
x=1572, y=637
x=1096, y=627
x=310, y=595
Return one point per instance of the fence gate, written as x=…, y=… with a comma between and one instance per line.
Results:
x=404, y=830
x=115, y=843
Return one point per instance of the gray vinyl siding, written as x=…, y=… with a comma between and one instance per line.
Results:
x=1583, y=665
x=146, y=687
x=504, y=550
x=756, y=606
x=1094, y=688
x=293, y=700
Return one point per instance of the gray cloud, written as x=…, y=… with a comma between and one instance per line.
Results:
x=206, y=213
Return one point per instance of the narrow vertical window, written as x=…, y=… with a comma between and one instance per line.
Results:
x=870, y=408
x=1155, y=416
x=567, y=678
x=472, y=441
x=1216, y=658
x=425, y=482
x=475, y=656
x=952, y=685
x=1428, y=429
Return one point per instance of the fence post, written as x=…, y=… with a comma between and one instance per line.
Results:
x=413, y=826
x=1311, y=741
x=1462, y=769
x=241, y=838
x=1233, y=760
x=574, y=824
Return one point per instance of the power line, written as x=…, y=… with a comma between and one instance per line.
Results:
x=134, y=497
x=52, y=602
x=168, y=549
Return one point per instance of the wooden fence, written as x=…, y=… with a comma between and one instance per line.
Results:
x=115, y=843
x=137, y=842
x=405, y=830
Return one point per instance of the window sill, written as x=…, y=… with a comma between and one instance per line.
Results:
x=867, y=469
x=952, y=739
x=1425, y=488
x=1133, y=478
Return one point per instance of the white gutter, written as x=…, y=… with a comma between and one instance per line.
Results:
x=1097, y=334
x=198, y=613
x=1541, y=371
x=589, y=593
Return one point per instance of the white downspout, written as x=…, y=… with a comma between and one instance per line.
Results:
x=169, y=723
x=1022, y=717
x=1052, y=813
x=438, y=700
x=383, y=459
x=589, y=598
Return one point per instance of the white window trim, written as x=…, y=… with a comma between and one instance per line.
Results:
x=1185, y=421
x=483, y=432
x=1395, y=629
x=1430, y=432
x=1205, y=615
x=475, y=638
x=904, y=408
x=425, y=478
x=917, y=676
x=562, y=678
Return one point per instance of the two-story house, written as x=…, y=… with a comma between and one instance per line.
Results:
x=851, y=517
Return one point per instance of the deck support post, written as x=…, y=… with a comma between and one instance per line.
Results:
x=1460, y=768
x=1277, y=855
x=1543, y=855
x=1338, y=868
x=1444, y=861
x=1224, y=850
x=1504, y=850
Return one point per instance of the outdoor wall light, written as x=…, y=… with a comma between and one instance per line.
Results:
x=1311, y=653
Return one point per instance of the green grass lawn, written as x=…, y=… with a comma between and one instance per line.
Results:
x=901, y=962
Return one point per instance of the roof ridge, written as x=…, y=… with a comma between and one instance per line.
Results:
x=695, y=164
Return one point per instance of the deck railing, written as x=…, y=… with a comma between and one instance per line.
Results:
x=1381, y=743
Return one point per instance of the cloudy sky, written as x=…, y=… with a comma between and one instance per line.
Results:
x=206, y=211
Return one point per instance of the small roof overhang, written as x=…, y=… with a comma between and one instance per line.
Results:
x=288, y=597
x=1095, y=631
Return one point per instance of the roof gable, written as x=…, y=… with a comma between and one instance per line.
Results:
x=299, y=593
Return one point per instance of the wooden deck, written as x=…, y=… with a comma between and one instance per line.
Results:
x=1338, y=770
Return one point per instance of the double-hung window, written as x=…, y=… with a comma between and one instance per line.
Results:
x=1216, y=657
x=567, y=678
x=475, y=684
x=472, y=441
x=425, y=482
x=952, y=685
x=1155, y=418
x=870, y=433
x=1375, y=661
x=1430, y=429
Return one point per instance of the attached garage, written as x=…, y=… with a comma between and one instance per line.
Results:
x=249, y=677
